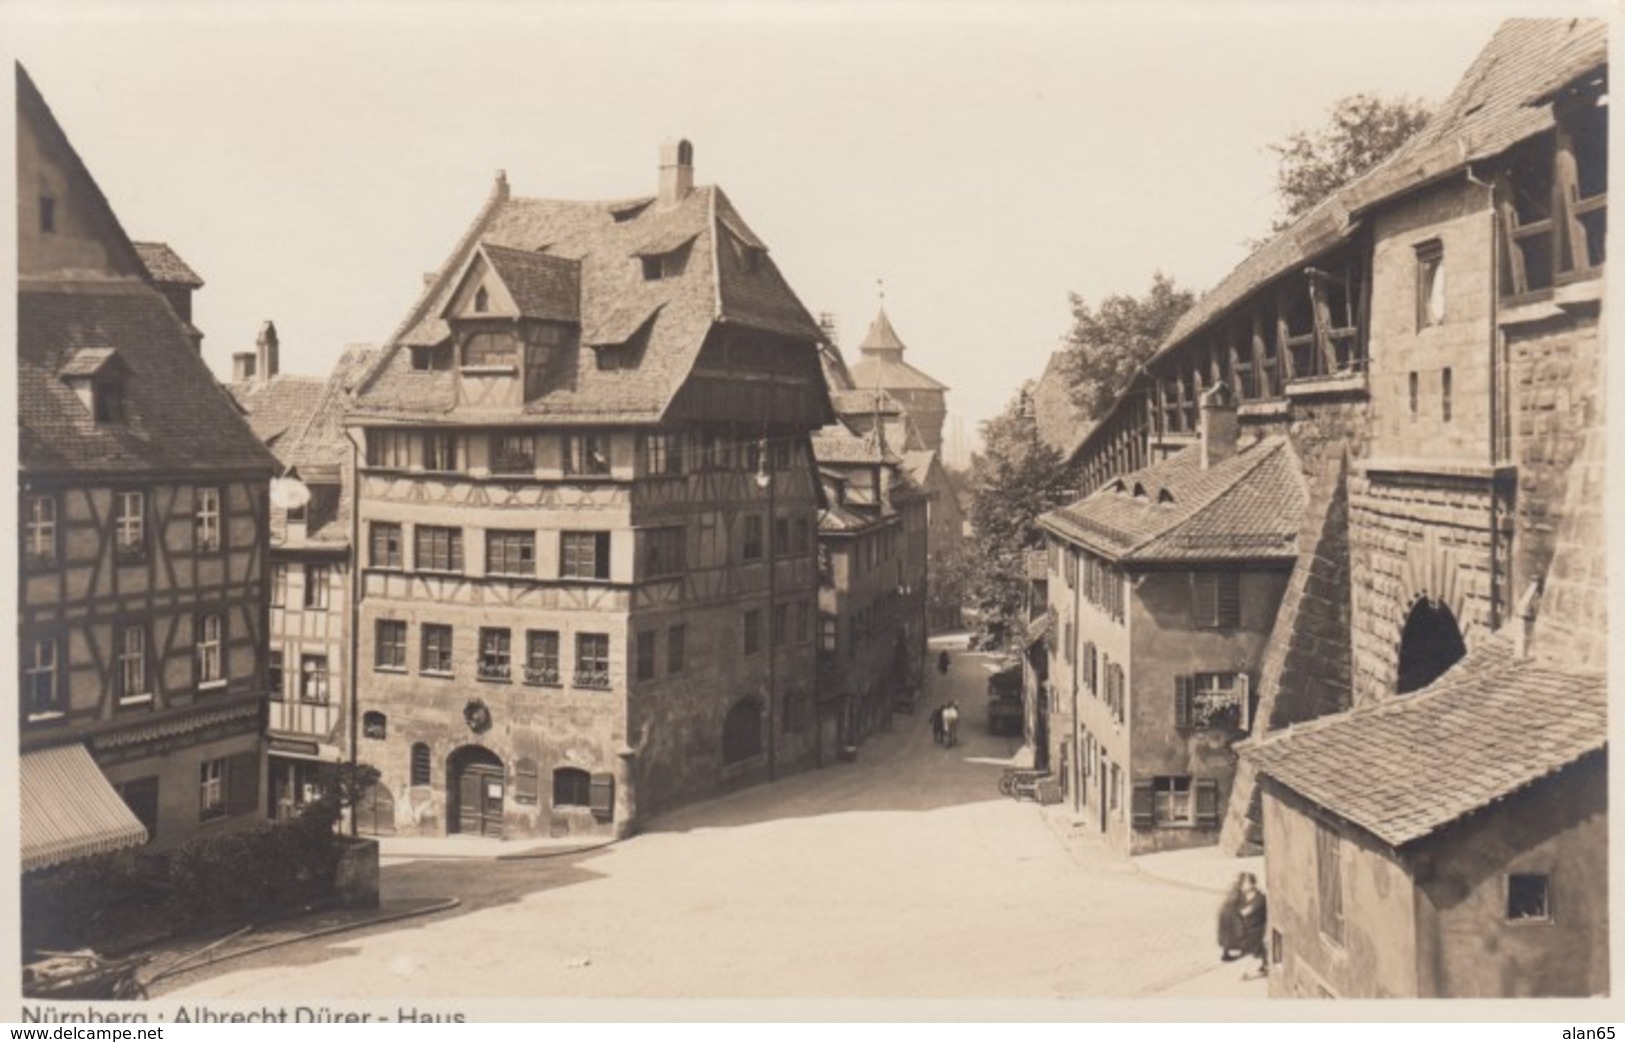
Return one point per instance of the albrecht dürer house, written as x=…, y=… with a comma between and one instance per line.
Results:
x=586, y=512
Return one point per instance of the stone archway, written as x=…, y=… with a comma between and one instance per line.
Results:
x=1430, y=644
x=475, y=786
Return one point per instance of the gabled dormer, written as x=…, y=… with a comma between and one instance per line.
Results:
x=98, y=377
x=512, y=316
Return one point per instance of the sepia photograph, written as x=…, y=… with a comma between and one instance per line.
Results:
x=532, y=511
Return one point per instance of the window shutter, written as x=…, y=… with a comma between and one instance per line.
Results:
x=1182, y=703
x=242, y=783
x=1204, y=599
x=603, y=796
x=1228, y=597
x=1244, y=699
x=1143, y=805
x=1207, y=802
x=524, y=781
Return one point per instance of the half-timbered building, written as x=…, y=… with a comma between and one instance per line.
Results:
x=141, y=564
x=586, y=512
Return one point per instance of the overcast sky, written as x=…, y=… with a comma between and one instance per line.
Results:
x=984, y=160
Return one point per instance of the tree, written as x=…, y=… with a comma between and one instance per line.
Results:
x=1362, y=131
x=1108, y=344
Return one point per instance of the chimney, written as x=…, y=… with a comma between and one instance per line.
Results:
x=242, y=367
x=499, y=190
x=676, y=171
x=1219, y=425
x=266, y=345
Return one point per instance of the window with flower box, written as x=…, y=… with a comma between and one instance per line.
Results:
x=542, y=658
x=592, y=660
x=496, y=654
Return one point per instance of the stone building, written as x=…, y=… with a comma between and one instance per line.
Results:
x=587, y=572
x=1164, y=591
x=142, y=543
x=881, y=367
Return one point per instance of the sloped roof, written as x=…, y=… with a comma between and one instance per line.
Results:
x=542, y=286
x=1061, y=423
x=165, y=266
x=1247, y=507
x=890, y=372
x=864, y=401
x=320, y=440
x=881, y=335
x=836, y=443
x=278, y=405
x=1403, y=770
x=616, y=301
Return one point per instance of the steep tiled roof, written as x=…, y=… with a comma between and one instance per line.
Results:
x=164, y=265
x=1405, y=769
x=892, y=373
x=88, y=361
x=881, y=335
x=1247, y=507
x=541, y=286
x=278, y=405
x=177, y=418
x=320, y=439
x=1061, y=423
x=837, y=444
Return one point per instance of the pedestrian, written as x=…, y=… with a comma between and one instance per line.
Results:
x=937, y=728
x=942, y=662
x=1252, y=913
x=1230, y=924
x=950, y=724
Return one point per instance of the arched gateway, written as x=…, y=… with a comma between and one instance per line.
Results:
x=1429, y=645
x=475, y=786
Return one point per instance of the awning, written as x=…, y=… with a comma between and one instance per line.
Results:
x=69, y=810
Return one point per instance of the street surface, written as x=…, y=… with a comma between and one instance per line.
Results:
x=904, y=875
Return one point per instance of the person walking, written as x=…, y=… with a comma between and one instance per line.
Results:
x=950, y=724
x=937, y=727
x=942, y=662
x=1252, y=914
x=1230, y=924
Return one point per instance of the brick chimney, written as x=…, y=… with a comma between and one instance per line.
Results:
x=676, y=172
x=266, y=351
x=242, y=367
x=1219, y=425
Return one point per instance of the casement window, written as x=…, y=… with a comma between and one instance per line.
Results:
x=385, y=540
x=422, y=761
x=210, y=649
x=1430, y=299
x=1212, y=702
x=129, y=525
x=592, y=660
x=212, y=789
x=389, y=645
x=586, y=455
x=436, y=649
x=438, y=549
x=525, y=784
x=1329, y=881
x=374, y=725
x=389, y=449
x=1175, y=801
x=228, y=786
x=1216, y=600
x=42, y=692
x=318, y=577
x=1529, y=898
x=828, y=633
x=753, y=631
x=275, y=678
x=39, y=532
x=781, y=625
x=542, y=658
x=646, y=654
x=313, y=679
x=572, y=787
x=440, y=453
x=1171, y=801
x=491, y=350
x=663, y=552
x=512, y=454
x=662, y=454
x=676, y=649
x=584, y=555
x=431, y=359
x=496, y=654
x=751, y=549
x=206, y=519
x=131, y=664
x=279, y=585
x=667, y=265
x=510, y=553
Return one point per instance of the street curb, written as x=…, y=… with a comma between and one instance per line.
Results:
x=530, y=855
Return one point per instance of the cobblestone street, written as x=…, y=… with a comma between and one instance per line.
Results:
x=902, y=875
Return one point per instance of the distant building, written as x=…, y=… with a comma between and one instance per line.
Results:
x=881, y=367
x=587, y=504
x=143, y=506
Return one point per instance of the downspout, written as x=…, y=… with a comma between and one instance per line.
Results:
x=1497, y=581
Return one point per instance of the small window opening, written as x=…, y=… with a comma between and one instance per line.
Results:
x=482, y=301
x=1528, y=898
x=1444, y=394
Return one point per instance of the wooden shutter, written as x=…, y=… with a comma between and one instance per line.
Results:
x=1244, y=699
x=603, y=796
x=1204, y=599
x=1228, y=597
x=1143, y=805
x=242, y=783
x=1207, y=802
x=1182, y=702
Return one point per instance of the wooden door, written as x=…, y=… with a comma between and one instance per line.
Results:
x=469, y=818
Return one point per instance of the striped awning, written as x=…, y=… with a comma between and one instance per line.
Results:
x=69, y=810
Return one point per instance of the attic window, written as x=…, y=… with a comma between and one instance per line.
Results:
x=629, y=213
x=1119, y=486
x=1165, y=497
x=657, y=266
x=109, y=401
x=1139, y=491
x=482, y=301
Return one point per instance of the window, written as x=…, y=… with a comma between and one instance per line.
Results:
x=781, y=536
x=646, y=655
x=584, y=555
x=803, y=622
x=438, y=549
x=586, y=455
x=421, y=761
x=41, y=694
x=510, y=553
x=206, y=510
x=389, y=646
x=210, y=660
x=828, y=632
x=1172, y=801
x=385, y=539
x=1416, y=393
x=803, y=541
x=212, y=789
x=1444, y=394
x=1528, y=898
x=1212, y=701
x=129, y=525
x=108, y=401
x=662, y=454
x=1329, y=881
x=47, y=214
x=592, y=660
x=274, y=676
x=1216, y=600
x=1429, y=284
x=496, y=654
x=374, y=725
x=431, y=359
x=317, y=578
x=440, y=452
x=676, y=648
x=482, y=300
x=387, y=448
x=279, y=585
x=668, y=265
x=663, y=552
x=39, y=532
x=512, y=454
x=752, y=550
x=313, y=679
x=753, y=631
x=132, y=664
x=781, y=624
x=542, y=657
x=572, y=787
x=436, y=649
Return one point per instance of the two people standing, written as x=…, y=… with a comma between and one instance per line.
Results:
x=1242, y=919
x=945, y=724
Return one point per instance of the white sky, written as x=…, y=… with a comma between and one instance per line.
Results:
x=312, y=162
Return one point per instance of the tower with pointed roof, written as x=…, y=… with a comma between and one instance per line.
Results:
x=923, y=399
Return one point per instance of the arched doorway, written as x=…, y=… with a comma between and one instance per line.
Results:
x=1430, y=644
x=475, y=785
x=742, y=731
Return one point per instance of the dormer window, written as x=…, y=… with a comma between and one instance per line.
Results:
x=97, y=377
x=1165, y=497
x=490, y=350
x=109, y=399
x=667, y=264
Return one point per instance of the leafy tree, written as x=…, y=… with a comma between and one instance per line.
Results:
x=1361, y=131
x=1109, y=343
